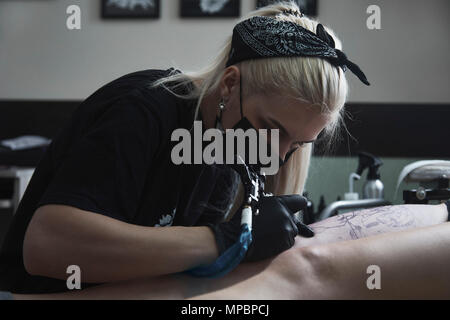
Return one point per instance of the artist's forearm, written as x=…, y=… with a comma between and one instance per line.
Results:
x=374, y=221
x=108, y=250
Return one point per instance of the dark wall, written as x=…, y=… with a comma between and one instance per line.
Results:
x=387, y=130
x=397, y=130
x=44, y=118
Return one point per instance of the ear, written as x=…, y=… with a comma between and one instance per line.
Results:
x=230, y=81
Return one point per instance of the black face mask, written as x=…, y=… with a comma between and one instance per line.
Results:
x=245, y=125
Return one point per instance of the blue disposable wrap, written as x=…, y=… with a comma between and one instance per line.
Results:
x=233, y=255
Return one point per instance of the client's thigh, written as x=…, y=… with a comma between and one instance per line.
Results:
x=373, y=221
x=410, y=264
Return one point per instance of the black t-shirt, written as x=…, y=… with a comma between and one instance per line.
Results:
x=113, y=158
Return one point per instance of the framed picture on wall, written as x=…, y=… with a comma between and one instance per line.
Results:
x=308, y=7
x=130, y=9
x=210, y=8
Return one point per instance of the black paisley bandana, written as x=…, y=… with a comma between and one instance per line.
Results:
x=266, y=37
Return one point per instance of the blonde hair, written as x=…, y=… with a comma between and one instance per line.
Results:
x=308, y=79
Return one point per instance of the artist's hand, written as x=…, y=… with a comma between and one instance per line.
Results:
x=275, y=227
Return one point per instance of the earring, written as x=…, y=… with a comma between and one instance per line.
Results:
x=219, y=118
x=221, y=105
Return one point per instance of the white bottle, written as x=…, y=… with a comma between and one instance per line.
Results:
x=349, y=196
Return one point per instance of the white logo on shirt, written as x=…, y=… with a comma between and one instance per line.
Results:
x=166, y=220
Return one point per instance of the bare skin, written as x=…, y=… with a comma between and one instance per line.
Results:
x=413, y=264
x=97, y=242
x=408, y=242
x=369, y=222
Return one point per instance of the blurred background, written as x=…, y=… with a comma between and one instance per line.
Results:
x=46, y=70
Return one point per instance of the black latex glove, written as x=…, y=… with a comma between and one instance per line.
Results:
x=274, y=228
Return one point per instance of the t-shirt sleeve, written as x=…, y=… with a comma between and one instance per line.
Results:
x=104, y=171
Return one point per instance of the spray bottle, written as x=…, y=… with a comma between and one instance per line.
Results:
x=373, y=187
